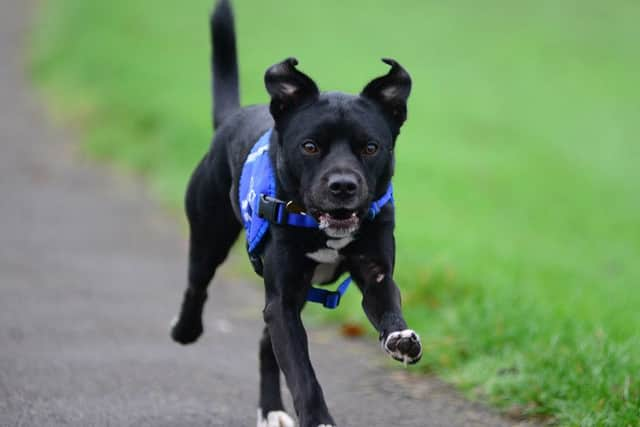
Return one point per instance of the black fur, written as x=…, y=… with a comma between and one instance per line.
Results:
x=224, y=63
x=333, y=154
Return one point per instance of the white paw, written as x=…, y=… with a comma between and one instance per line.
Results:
x=403, y=346
x=325, y=425
x=275, y=419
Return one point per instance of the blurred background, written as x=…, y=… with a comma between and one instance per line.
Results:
x=517, y=178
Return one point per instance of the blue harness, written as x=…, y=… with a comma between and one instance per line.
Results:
x=259, y=207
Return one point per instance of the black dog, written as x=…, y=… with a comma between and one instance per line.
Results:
x=332, y=157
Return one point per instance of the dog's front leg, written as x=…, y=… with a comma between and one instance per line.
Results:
x=381, y=303
x=287, y=275
x=372, y=270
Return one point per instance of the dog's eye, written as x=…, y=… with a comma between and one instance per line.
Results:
x=310, y=147
x=370, y=149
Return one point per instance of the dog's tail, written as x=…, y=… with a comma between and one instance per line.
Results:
x=224, y=63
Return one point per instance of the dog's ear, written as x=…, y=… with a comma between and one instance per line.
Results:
x=391, y=92
x=288, y=87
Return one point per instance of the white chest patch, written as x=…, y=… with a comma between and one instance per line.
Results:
x=330, y=254
x=339, y=243
x=325, y=256
x=328, y=259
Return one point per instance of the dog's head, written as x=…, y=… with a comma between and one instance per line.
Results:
x=335, y=151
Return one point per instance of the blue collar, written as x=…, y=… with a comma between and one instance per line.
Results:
x=287, y=213
x=260, y=208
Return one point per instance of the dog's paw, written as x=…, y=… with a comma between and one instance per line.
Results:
x=186, y=331
x=403, y=346
x=275, y=419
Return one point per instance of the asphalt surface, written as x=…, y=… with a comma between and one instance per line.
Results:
x=91, y=272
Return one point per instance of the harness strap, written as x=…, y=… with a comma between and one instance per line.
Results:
x=377, y=206
x=329, y=299
x=275, y=211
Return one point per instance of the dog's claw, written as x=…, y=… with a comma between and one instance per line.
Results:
x=403, y=346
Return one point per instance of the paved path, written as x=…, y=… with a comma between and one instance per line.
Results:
x=91, y=272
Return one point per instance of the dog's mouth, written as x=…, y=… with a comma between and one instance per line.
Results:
x=339, y=222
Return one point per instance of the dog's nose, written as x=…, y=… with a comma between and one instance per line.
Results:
x=343, y=186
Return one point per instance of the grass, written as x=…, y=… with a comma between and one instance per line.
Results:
x=517, y=184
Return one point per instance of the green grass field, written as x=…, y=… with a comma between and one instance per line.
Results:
x=517, y=188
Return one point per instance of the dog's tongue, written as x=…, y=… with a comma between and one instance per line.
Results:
x=329, y=221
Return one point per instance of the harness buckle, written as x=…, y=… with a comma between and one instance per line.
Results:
x=269, y=209
x=332, y=299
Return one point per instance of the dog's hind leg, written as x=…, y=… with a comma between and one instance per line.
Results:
x=271, y=410
x=213, y=230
